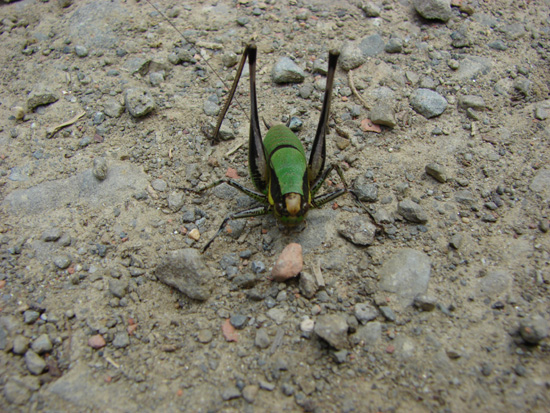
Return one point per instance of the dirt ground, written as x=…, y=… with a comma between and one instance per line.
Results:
x=445, y=307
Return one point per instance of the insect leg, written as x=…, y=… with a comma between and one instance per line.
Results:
x=317, y=184
x=252, y=212
x=258, y=196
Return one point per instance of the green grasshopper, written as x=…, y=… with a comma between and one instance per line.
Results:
x=285, y=184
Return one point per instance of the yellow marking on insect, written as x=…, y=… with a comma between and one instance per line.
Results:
x=293, y=201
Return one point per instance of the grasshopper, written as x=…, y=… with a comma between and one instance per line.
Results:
x=286, y=184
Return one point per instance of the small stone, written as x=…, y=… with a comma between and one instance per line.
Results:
x=437, y=172
x=428, y=103
x=139, y=102
x=20, y=345
x=156, y=78
x=456, y=241
x=425, y=302
x=34, y=362
x=113, y=108
x=277, y=314
x=465, y=197
x=96, y=342
x=30, y=316
x=394, y=45
x=371, y=9
x=453, y=354
x=308, y=285
x=230, y=393
x=40, y=95
x=238, y=320
x=230, y=59
x=100, y=168
x=388, y=313
x=359, y=230
x=81, y=51
x=533, y=329
x=119, y=287
x=175, y=201
x=121, y=339
x=194, y=234
x=159, y=185
x=262, y=339
x=434, y=9
x=286, y=71
x=333, y=328
x=541, y=113
x=365, y=312
x=412, y=212
x=365, y=190
x=307, y=325
x=249, y=392
x=340, y=356
x=42, y=344
x=205, y=336
x=51, y=234
x=382, y=114
x=62, y=261
x=471, y=101
x=16, y=392
x=289, y=263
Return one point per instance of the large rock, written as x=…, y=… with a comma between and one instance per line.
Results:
x=406, y=274
x=186, y=271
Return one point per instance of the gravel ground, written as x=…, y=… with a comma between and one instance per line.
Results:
x=432, y=297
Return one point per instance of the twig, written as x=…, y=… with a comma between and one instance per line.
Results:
x=354, y=91
x=55, y=129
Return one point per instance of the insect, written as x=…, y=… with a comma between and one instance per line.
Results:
x=286, y=182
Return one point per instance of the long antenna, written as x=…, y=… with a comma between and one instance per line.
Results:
x=205, y=60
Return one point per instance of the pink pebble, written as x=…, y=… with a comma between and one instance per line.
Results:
x=96, y=341
x=289, y=263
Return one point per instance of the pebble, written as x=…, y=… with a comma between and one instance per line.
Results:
x=186, y=271
x=277, y=314
x=100, y=168
x=231, y=392
x=16, y=392
x=382, y=114
x=289, y=263
x=437, y=172
x=428, y=103
x=456, y=241
x=465, y=197
x=471, y=101
x=388, y=313
x=394, y=45
x=159, y=185
x=365, y=190
x=533, y=329
x=433, y=9
x=156, y=78
x=238, y=320
x=351, y=56
x=250, y=391
x=333, y=328
x=20, y=344
x=371, y=9
x=30, y=316
x=230, y=59
x=340, y=356
x=307, y=325
x=121, y=340
x=541, y=182
x=113, y=108
x=406, y=273
x=52, y=234
x=41, y=95
x=412, y=212
x=425, y=302
x=211, y=108
x=176, y=201
x=365, y=312
x=96, y=342
x=368, y=334
x=81, y=51
x=308, y=284
x=34, y=362
x=498, y=45
x=62, y=261
x=359, y=230
x=119, y=287
x=286, y=71
x=262, y=339
x=205, y=336
x=139, y=102
x=42, y=344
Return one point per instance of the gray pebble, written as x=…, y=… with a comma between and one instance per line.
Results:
x=62, y=261
x=20, y=344
x=368, y=334
x=238, y=320
x=295, y=124
x=262, y=339
x=230, y=59
x=30, y=316
x=40, y=95
x=230, y=393
x=81, y=51
x=42, y=344
x=249, y=392
x=428, y=103
x=365, y=312
x=407, y=273
x=498, y=45
x=456, y=241
x=211, y=108
x=121, y=339
x=388, y=313
x=156, y=78
x=359, y=230
x=205, y=336
x=51, y=234
x=371, y=9
x=394, y=45
x=100, y=168
x=258, y=267
x=372, y=45
x=277, y=314
x=159, y=185
x=465, y=197
x=437, y=172
x=333, y=328
x=351, y=56
x=382, y=114
x=541, y=113
x=286, y=71
x=113, y=108
x=243, y=20
x=433, y=9
x=118, y=287
x=306, y=90
x=98, y=118
x=425, y=302
x=412, y=211
x=34, y=362
x=16, y=392
x=139, y=102
x=308, y=284
x=471, y=101
x=533, y=329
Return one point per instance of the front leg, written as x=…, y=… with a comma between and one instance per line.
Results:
x=258, y=196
